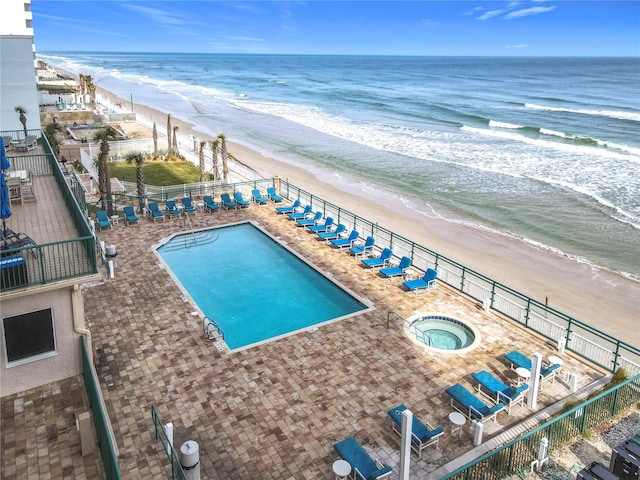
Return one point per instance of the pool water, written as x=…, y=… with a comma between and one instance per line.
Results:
x=252, y=286
x=443, y=333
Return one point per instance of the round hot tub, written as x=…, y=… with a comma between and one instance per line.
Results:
x=441, y=332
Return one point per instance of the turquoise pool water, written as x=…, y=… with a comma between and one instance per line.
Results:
x=442, y=332
x=252, y=286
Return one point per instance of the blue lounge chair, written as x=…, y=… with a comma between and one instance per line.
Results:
x=240, y=200
x=380, y=261
x=257, y=197
x=307, y=222
x=364, y=467
x=11, y=239
x=172, y=208
x=299, y=215
x=549, y=373
x=498, y=391
x=518, y=360
x=189, y=207
x=227, y=202
x=332, y=234
x=290, y=209
x=271, y=191
x=346, y=242
x=130, y=215
x=427, y=282
x=362, y=250
x=471, y=406
x=103, y=220
x=389, y=272
x=154, y=211
x=422, y=436
x=209, y=204
x=328, y=223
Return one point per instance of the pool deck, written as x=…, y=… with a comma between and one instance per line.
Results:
x=275, y=410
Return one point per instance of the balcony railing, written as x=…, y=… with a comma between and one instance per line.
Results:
x=55, y=261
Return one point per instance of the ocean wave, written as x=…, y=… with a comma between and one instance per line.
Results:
x=494, y=123
x=620, y=115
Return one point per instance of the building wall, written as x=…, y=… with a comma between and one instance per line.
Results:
x=17, y=83
x=66, y=362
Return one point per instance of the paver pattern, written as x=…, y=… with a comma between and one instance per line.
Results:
x=274, y=411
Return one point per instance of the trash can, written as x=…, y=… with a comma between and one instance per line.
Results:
x=190, y=459
x=111, y=254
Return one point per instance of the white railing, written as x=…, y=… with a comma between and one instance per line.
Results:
x=510, y=308
x=546, y=327
x=591, y=350
x=476, y=290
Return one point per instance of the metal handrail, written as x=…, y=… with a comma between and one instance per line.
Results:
x=207, y=324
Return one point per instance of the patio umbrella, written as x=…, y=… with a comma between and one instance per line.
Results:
x=5, y=211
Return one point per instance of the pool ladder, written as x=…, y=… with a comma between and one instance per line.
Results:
x=211, y=330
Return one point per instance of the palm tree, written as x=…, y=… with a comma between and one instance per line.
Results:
x=168, y=133
x=155, y=141
x=203, y=177
x=224, y=155
x=215, y=145
x=174, y=144
x=53, y=131
x=137, y=159
x=103, y=136
x=23, y=118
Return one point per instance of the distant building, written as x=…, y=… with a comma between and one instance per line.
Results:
x=17, y=66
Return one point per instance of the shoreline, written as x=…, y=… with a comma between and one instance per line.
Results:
x=600, y=298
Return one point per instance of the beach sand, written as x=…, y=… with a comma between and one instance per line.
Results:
x=599, y=298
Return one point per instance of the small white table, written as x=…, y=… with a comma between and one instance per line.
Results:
x=114, y=219
x=523, y=375
x=458, y=420
x=200, y=206
x=408, y=274
x=23, y=175
x=342, y=469
x=553, y=360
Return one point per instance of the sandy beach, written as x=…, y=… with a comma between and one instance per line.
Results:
x=599, y=298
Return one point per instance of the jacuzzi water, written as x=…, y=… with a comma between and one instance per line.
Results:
x=442, y=332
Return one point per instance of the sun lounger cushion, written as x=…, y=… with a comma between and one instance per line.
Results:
x=518, y=360
x=419, y=430
x=321, y=228
x=427, y=281
x=380, y=261
x=497, y=388
x=331, y=235
x=351, y=451
x=271, y=191
x=290, y=209
x=472, y=405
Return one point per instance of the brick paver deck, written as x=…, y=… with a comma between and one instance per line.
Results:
x=275, y=410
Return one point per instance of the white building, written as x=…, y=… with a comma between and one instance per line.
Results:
x=17, y=66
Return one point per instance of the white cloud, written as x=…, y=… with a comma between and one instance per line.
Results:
x=529, y=11
x=474, y=10
x=520, y=45
x=427, y=22
x=490, y=14
x=156, y=15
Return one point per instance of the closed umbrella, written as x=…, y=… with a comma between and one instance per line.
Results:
x=5, y=211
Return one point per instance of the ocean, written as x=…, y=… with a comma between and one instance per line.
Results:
x=545, y=150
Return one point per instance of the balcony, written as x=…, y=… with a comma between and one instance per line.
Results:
x=48, y=207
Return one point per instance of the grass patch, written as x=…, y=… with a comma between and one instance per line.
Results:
x=157, y=173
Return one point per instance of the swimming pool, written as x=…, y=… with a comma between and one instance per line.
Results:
x=251, y=285
x=442, y=332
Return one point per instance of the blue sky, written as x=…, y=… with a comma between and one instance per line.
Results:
x=516, y=28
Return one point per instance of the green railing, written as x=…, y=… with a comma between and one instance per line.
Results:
x=586, y=341
x=177, y=471
x=518, y=454
x=100, y=416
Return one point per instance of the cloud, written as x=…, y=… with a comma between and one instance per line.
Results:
x=491, y=14
x=520, y=45
x=156, y=15
x=528, y=11
x=427, y=22
x=473, y=11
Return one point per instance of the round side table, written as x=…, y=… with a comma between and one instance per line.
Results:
x=342, y=469
x=458, y=420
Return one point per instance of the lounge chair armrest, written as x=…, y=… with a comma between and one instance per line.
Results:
x=504, y=398
x=382, y=471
